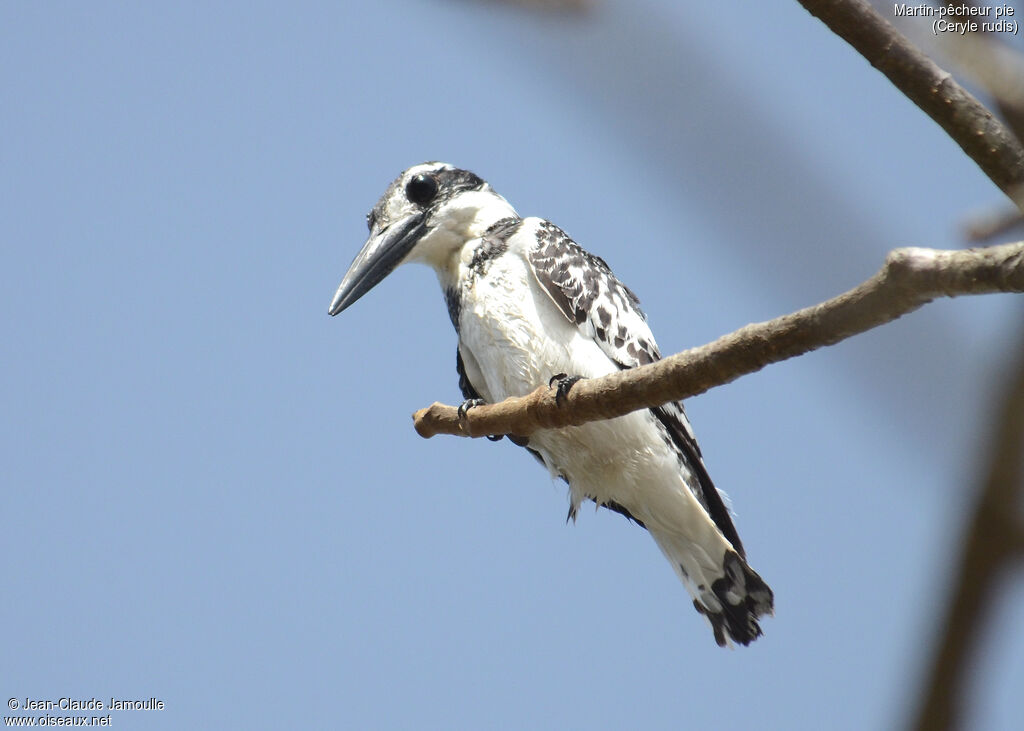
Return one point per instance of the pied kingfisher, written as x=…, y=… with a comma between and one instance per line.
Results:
x=531, y=307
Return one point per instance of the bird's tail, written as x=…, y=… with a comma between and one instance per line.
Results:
x=725, y=590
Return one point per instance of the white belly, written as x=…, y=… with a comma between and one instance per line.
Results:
x=513, y=339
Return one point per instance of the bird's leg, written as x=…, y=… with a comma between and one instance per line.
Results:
x=469, y=404
x=564, y=384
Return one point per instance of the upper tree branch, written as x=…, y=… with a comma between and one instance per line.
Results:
x=909, y=279
x=985, y=140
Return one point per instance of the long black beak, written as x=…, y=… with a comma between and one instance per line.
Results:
x=381, y=253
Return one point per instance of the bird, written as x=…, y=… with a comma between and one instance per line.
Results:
x=531, y=307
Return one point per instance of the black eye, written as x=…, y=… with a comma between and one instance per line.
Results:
x=371, y=218
x=421, y=189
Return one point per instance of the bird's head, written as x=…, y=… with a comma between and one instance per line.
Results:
x=425, y=215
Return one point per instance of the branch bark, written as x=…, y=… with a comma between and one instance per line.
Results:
x=910, y=278
x=981, y=136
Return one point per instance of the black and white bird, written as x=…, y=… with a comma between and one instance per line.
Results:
x=531, y=307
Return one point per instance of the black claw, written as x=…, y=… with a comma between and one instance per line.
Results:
x=469, y=404
x=564, y=384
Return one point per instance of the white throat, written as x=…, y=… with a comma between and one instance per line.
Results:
x=455, y=224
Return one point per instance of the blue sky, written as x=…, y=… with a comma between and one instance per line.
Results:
x=213, y=494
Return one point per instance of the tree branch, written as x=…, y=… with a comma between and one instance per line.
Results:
x=994, y=542
x=985, y=140
x=554, y=6
x=909, y=279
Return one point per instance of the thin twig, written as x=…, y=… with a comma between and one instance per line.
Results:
x=909, y=279
x=985, y=140
x=985, y=227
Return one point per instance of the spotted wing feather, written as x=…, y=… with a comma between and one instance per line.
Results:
x=586, y=291
x=583, y=287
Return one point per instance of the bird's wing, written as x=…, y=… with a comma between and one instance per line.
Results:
x=465, y=385
x=583, y=287
x=585, y=290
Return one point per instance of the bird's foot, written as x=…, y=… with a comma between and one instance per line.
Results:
x=564, y=384
x=469, y=404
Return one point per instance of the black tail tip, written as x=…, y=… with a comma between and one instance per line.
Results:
x=743, y=597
